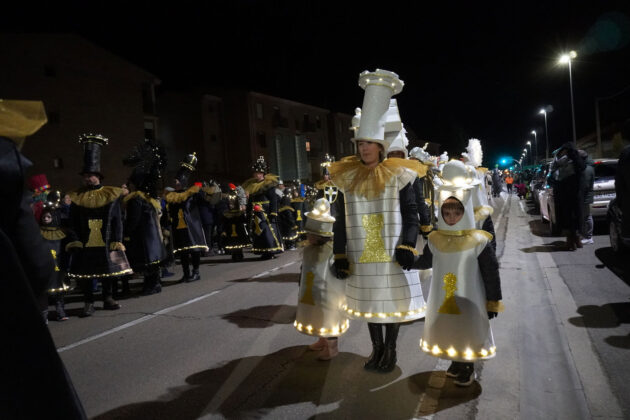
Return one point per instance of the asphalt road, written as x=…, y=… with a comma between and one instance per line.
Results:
x=225, y=346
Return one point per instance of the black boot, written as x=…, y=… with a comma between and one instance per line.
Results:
x=376, y=335
x=195, y=276
x=185, y=258
x=388, y=361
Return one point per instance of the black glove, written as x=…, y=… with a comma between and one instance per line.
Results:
x=404, y=257
x=492, y=314
x=341, y=268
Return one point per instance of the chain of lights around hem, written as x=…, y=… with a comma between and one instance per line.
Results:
x=467, y=354
x=383, y=315
x=309, y=329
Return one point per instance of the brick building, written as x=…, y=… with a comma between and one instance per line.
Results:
x=84, y=89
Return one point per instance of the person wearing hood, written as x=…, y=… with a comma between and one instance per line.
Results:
x=587, y=181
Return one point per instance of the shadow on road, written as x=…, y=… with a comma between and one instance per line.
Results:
x=550, y=247
x=262, y=316
x=252, y=387
x=618, y=264
x=610, y=315
x=278, y=278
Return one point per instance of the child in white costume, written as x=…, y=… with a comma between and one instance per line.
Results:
x=321, y=296
x=465, y=290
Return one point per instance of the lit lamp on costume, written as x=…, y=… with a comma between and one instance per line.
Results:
x=186, y=227
x=262, y=208
x=456, y=325
x=378, y=208
x=321, y=296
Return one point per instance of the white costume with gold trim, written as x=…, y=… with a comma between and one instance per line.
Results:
x=321, y=296
x=456, y=325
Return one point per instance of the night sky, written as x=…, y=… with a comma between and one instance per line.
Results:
x=481, y=70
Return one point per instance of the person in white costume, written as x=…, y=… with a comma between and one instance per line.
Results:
x=466, y=288
x=322, y=296
x=377, y=226
x=473, y=157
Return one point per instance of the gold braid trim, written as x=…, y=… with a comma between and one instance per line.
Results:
x=74, y=244
x=426, y=228
x=494, y=306
x=180, y=197
x=144, y=196
x=340, y=257
x=408, y=248
x=286, y=208
x=52, y=234
x=93, y=199
x=457, y=241
x=297, y=200
x=116, y=246
x=351, y=175
x=253, y=186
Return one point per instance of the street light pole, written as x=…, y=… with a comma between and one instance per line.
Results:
x=535, y=145
x=566, y=59
x=544, y=112
x=531, y=158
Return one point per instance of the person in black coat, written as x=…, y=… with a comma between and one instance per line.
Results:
x=96, y=218
x=186, y=228
x=33, y=380
x=146, y=251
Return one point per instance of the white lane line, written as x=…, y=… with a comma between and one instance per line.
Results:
x=522, y=208
x=135, y=322
x=161, y=312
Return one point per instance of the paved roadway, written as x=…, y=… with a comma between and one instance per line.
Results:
x=225, y=347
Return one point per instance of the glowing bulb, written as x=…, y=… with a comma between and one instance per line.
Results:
x=382, y=315
x=397, y=314
x=322, y=330
x=468, y=354
x=484, y=352
x=357, y=313
x=335, y=330
x=295, y=323
x=309, y=328
x=436, y=350
x=368, y=315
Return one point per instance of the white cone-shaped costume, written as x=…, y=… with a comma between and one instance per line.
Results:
x=456, y=325
x=474, y=157
x=321, y=297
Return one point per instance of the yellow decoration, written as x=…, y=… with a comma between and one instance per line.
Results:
x=482, y=212
x=234, y=234
x=299, y=215
x=146, y=197
x=352, y=176
x=257, y=229
x=116, y=246
x=54, y=255
x=93, y=199
x=374, y=246
x=449, y=306
x=494, y=306
x=457, y=241
x=52, y=234
x=19, y=119
x=95, y=239
x=180, y=197
x=253, y=186
x=307, y=298
x=74, y=244
x=181, y=223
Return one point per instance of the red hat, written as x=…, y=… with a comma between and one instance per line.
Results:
x=257, y=207
x=38, y=183
x=232, y=186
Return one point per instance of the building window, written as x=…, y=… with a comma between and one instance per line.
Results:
x=50, y=71
x=149, y=129
x=308, y=146
x=53, y=117
x=259, y=111
x=262, y=139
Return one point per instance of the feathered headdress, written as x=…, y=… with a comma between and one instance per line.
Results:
x=473, y=153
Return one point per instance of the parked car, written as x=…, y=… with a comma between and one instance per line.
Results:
x=548, y=208
x=614, y=218
x=603, y=187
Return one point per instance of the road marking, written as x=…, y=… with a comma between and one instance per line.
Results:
x=136, y=322
x=264, y=273
x=522, y=208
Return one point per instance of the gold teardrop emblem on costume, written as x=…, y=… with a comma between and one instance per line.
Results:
x=257, y=229
x=54, y=255
x=181, y=223
x=374, y=246
x=96, y=237
x=233, y=235
x=449, y=306
x=307, y=298
x=299, y=215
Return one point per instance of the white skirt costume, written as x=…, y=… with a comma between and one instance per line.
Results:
x=456, y=325
x=321, y=296
x=378, y=290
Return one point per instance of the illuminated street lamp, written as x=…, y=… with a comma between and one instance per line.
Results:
x=535, y=145
x=529, y=143
x=544, y=111
x=567, y=59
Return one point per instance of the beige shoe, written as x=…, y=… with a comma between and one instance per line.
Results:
x=318, y=345
x=330, y=351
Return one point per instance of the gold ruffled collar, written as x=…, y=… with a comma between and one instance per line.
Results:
x=458, y=240
x=52, y=233
x=253, y=186
x=93, y=199
x=180, y=197
x=351, y=175
x=320, y=185
x=143, y=196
